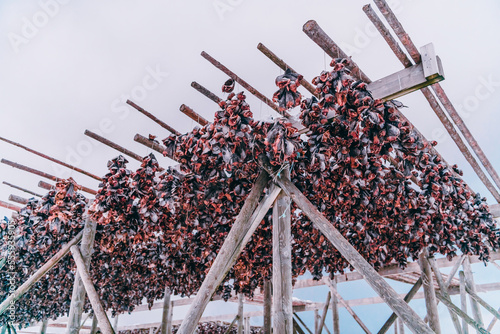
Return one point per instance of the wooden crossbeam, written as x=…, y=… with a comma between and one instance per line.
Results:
x=22, y=189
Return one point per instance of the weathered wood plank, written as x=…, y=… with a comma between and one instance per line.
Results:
x=335, y=307
x=268, y=303
x=463, y=302
x=430, y=294
x=240, y=313
x=325, y=311
x=461, y=314
x=99, y=312
x=166, y=312
x=282, y=263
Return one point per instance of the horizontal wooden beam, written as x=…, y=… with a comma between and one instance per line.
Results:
x=406, y=81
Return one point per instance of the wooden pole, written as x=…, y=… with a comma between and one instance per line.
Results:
x=444, y=290
x=282, y=263
x=380, y=286
x=154, y=118
x=461, y=314
x=193, y=115
x=284, y=66
x=314, y=31
x=316, y=321
x=407, y=299
x=297, y=328
x=115, y=323
x=170, y=318
x=231, y=325
x=78, y=295
x=325, y=311
x=335, y=307
x=240, y=313
x=492, y=323
x=46, y=185
x=10, y=206
x=243, y=83
x=166, y=312
x=250, y=216
x=401, y=327
x=99, y=312
x=115, y=146
x=463, y=302
x=430, y=294
x=415, y=54
x=18, y=199
x=76, y=169
x=22, y=189
x=42, y=174
x=12, y=298
x=302, y=323
x=350, y=310
x=205, y=92
x=483, y=303
x=93, y=329
x=469, y=283
x=43, y=327
x=268, y=302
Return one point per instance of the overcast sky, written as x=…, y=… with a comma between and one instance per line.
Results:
x=68, y=66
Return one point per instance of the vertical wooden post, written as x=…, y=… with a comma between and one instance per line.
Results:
x=99, y=312
x=170, y=317
x=247, y=325
x=282, y=263
x=469, y=282
x=401, y=326
x=43, y=327
x=93, y=329
x=430, y=294
x=267, y=306
x=316, y=322
x=240, y=313
x=166, y=311
x=115, y=323
x=463, y=301
x=335, y=307
x=78, y=294
x=395, y=327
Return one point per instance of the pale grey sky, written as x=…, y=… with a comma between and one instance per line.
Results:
x=67, y=66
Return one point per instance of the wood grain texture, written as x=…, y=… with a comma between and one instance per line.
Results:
x=430, y=294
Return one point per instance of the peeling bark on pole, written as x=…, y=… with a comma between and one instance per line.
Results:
x=78, y=295
x=383, y=289
x=99, y=312
x=282, y=263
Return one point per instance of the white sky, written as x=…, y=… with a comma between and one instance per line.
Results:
x=68, y=70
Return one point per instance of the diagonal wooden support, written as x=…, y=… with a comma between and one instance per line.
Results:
x=153, y=118
x=205, y=92
x=115, y=146
x=444, y=291
x=296, y=327
x=348, y=308
x=380, y=286
x=13, y=297
x=78, y=295
x=461, y=314
x=99, y=312
x=246, y=223
x=325, y=311
x=407, y=299
x=193, y=115
x=483, y=303
x=302, y=323
x=463, y=302
x=282, y=263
